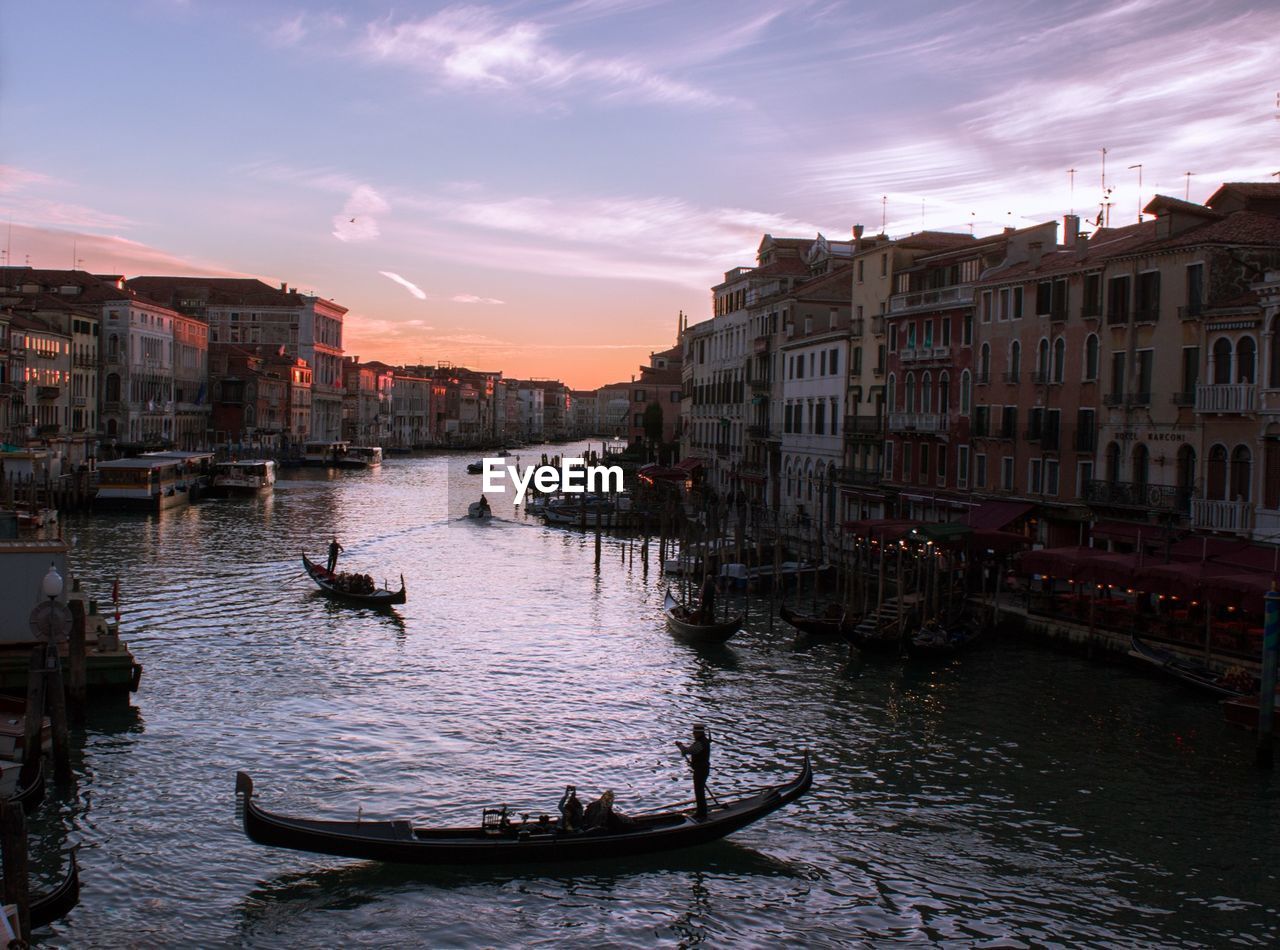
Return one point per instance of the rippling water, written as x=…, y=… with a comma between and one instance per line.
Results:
x=1017, y=798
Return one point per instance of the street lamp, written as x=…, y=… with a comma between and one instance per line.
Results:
x=51, y=586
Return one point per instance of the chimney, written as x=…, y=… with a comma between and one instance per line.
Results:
x=284, y=287
x=1070, y=229
x=857, y=238
x=1033, y=254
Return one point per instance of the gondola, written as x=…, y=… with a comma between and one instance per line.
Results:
x=834, y=623
x=44, y=909
x=475, y=468
x=479, y=512
x=940, y=643
x=697, y=632
x=30, y=791
x=1189, y=671
x=506, y=843
x=325, y=580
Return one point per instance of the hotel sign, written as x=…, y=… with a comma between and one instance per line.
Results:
x=1177, y=435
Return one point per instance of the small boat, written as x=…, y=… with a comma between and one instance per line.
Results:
x=506, y=842
x=475, y=468
x=834, y=622
x=1243, y=710
x=45, y=908
x=872, y=637
x=934, y=641
x=479, y=512
x=682, y=625
x=332, y=585
x=326, y=454
x=361, y=456
x=1232, y=683
x=244, y=477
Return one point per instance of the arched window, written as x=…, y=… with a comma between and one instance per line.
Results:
x=1241, y=471
x=984, y=363
x=113, y=386
x=1015, y=360
x=1186, y=474
x=1141, y=463
x=1042, y=358
x=926, y=393
x=892, y=395
x=1221, y=361
x=1059, y=359
x=791, y=481
x=911, y=392
x=808, y=481
x=1246, y=360
x=1216, y=474
x=966, y=392
x=1113, y=463
x=1273, y=340
x=944, y=392
x=113, y=347
x=1091, y=357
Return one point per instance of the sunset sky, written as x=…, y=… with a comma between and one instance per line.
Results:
x=541, y=187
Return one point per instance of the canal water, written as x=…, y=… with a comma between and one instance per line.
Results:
x=1017, y=797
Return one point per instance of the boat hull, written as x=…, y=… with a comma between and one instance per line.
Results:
x=324, y=580
x=399, y=842
x=698, y=632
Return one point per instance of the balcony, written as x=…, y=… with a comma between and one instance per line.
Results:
x=1137, y=495
x=1090, y=311
x=45, y=431
x=1113, y=399
x=761, y=385
x=918, y=422
x=762, y=343
x=1234, y=516
x=79, y=401
x=758, y=432
x=857, y=476
x=863, y=425
x=47, y=392
x=1146, y=315
x=931, y=300
x=1058, y=315
x=1226, y=397
x=1191, y=311
x=1137, y=399
x=908, y=355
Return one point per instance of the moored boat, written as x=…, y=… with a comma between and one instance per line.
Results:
x=833, y=622
x=145, y=483
x=328, y=454
x=684, y=624
x=936, y=641
x=1243, y=710
x=1236, y=682
x=45, y=908
x=361, y=456
x=477, y=511
x=244, y=477
x=346, y=587
x=507, y=842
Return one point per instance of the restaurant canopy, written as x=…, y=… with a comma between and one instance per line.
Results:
x=995, y=515
x=880, y=529
x=1180, y=578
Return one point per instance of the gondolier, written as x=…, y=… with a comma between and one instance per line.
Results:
x=698, y=754
x=334, y=550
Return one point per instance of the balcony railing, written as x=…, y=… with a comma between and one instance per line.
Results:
x=758, y=432
x=918, y=422
x=927, y=299
x=47, y=392
x=863, y=425
x=1113, y=399
x=1140, y=495
x=1058, y=315
x=79, y=401
x=761, y=385
x=1214, y=515
x=762, y=343
x=1090, y=311
x=857, y=476
x=1138, y=399
x=909, y=355
x=1226, y=397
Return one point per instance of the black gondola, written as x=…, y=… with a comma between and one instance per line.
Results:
x=44, y=909
x=679, y=623
x=1189, y=671
x=832, y=624
x=934, y=642
x=326, y=580
x=30, y=791
x=505, y=842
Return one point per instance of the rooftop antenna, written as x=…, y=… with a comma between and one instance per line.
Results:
x=973, y=216
x=8, y=244
x=884, y=211
x=1186, y=195
x=1071, y=176
x=1104, y=170
x=1139, y=168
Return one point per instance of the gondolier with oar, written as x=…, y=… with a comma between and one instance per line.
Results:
x=698, y=754
x=334, y=550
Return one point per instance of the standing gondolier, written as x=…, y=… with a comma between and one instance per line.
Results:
x=698, y=754
x=334, y=549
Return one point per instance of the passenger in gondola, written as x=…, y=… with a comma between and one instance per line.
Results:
x=601, y=815
x=707, y=601
x=570, y=809
x=485, y=510
x=334, y=549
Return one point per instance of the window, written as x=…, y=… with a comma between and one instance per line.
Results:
x=1146, y=361
x=981, y=420
x=924, y=462
x=1050, y=477
x=1245, y=361
x=966, y=392
x=1059, y=359
x=786, y=418
x=984, y=363
x=834, y=362
x=1117, y=374
x=986, y=306
x=1017, y=303
x=1118, y=300
x=1009, y=422
x=962, y=466
x=1241, y=468
x=1035, y=469
x=980, y=470
x=1270, y=474
x=942, y=464
x=1006, y=473
x=1147, y=306
x=888, y=460
x=860, y=263
x=639, y=419
x=1086, y=430
x=820, y=418
x=907, y=471
x=1015, y=362
x=639, y=396
x=1084, y=475
x=822, y=366
x=1141, y=464
x=884, y=265
x=1092, y=304
x=967, y=337
x=1195, y=289
x=1216, y=474
x=1091, y=357
x=857, y=360
x=893, y=338
x=1190, y=373
x=675, y=395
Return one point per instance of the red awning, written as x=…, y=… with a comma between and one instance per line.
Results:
x=689, y=464
x=883, y=529
x=752, y=479
x=1180, y=578
x=657, y=471
x=1255, y=557
x=1205, y=548
x=998, y=542
x=995, y=515
x=1058, y=562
